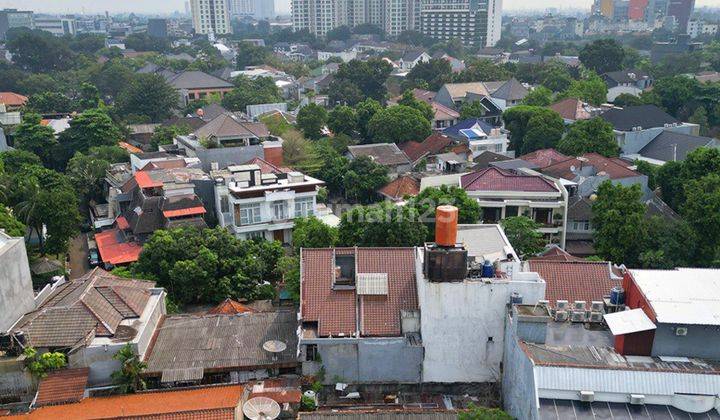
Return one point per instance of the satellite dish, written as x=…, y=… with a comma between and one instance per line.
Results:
x=261, y=408
x=572, y=168
x=274, y=346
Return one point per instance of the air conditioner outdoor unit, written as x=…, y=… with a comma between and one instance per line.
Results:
x=637, y=399
x=596, y=306
x=587, y=396
x=561, y=316
x=596, y=316
x=543, y=302
x=561, y=305
x=577, y=316
x=681, y=331
x=579, y=305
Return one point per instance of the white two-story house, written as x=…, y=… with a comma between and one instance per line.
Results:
x=260, y=200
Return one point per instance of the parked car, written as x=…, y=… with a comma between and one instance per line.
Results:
x=93, y=257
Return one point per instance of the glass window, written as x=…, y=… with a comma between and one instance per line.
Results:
x=304, y=207
x=280, y=210
x=249, y=214
x=224, y=204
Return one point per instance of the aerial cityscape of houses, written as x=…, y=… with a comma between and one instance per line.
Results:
x=361, y=209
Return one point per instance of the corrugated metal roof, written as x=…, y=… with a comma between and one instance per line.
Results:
x=682, y=296
x=387, y=415
x=626, y=381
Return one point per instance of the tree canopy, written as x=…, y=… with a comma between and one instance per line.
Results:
x=311, y=120
x=398, y=124
x=357, y=80
x=602, y=56
x=381, y=225
x=150, y=96
x=522, y=232
x=589, y=136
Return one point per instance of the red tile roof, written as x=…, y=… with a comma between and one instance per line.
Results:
x=230, y=307
x=555, y=254
x=122, y=223
x=267, y=167
x=613, y=169
x=400, y=187
x=494, y=179
x=129, y=147
x=571, y=109
x=113, y=250
x=430, y=146
x=12, y=99
x=144, y=181
x=575, y=280
x=211, y=403
x=544, y=157
x=334, y=310
x=192, y=211
x=62, y=386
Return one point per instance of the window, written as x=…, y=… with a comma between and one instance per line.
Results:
x=249, y=214
x=304, y=207
x=224, y=204
x=311, y=353
x=280, y=210
x=255, y=235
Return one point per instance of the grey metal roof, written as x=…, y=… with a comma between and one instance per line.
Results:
x=197, y=80
x=575, y=410
x=221, y=342
x=645, y=116
x=512, y=90
x=671, y=146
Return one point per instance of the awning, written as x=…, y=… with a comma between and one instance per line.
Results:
x=627, y=322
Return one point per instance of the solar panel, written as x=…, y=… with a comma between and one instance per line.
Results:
x=372, y=284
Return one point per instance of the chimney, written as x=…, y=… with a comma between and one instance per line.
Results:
x=446, y=221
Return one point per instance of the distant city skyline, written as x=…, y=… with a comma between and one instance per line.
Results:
x=170, y=6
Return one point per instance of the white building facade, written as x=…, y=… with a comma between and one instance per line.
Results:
x=211, y=16
x=477, y=23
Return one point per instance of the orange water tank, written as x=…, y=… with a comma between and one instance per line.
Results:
x=446, y=221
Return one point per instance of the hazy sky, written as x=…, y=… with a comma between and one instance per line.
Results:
x=168, y=6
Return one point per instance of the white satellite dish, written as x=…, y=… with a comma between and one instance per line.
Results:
x=261, y=408
x=274, y=346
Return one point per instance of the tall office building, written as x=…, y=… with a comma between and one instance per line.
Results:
x=241, y=7
x=211, y=16
x=13, y=18
x=681, y=11
x=474, y=22
x=157, y=28
x=320, y=16
x=58, y=26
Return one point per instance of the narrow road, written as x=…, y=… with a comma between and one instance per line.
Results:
x=78, y=254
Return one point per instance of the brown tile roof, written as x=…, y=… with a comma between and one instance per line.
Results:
x=92, y=305
x=495, y=179
x=432, y=145
x=62, y=386
x=444, y=113
x=613, y=169
x=210, y=403
x=575, y=280
x=387, y=154
x=267, y=167
x=555, y=254
x=334, y=310
x=404, y=185
x=230, y=307
x=228, y=125
x=544, y=157
x=571, y=109
x=12, y=99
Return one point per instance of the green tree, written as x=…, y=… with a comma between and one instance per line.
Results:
x=343, y=120
x=482, y=69
x=364, y=77
x=544, y=130
x=148, y=95
x=15, y=160
x=408, y=99
x=398, y=124
x=382, y=225
x=142, y=41
x=363, y=178
x=38, y=51
x=10, y=224
x=165, y=134
x=112, y=154
x=91, y=128
x=602, y=56
x=366, y=110
x=340, y=33
x=555, y=76
x=700, y=117
x=49, y=102
x=249, y=54
x=517, y=120
x=540, y=96
x=129, y=377
x=36, y=138
x=311, y=120
x=522, y=232
x=483, y=413
x=298, y=152
x=433, y=74
x=332, y=169
x=618, y=219
x=311, y=232
x=40, y=364
x=87, y=174
x=627, y=99
x=674, y=92
x=208, y=265
x=589, y=136
x=261, y=90
x=427, y=201
x=650, y=170
x=592, y=90
x=702, y=211
x=113, y=77
x=470, y=110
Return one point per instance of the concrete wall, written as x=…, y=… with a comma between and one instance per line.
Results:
x=518, y=390
x=463, y=326
x=701, y=341
x=370, y=360
x=16, y=291
x=15, y=381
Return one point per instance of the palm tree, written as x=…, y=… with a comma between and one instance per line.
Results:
x=129, y=377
